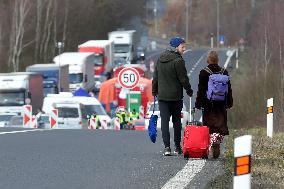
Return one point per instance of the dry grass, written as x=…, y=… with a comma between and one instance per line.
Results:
x=267, y=160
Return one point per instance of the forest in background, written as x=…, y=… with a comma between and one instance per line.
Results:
x=261, y=75
x=30, y=29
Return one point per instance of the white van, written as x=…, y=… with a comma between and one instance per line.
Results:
x=89, y=105
x=71, y=116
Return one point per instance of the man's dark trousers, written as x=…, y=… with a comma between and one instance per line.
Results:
x=168, y=109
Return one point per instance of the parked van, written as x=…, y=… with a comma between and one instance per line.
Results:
x=88, y=105
x=71, y=116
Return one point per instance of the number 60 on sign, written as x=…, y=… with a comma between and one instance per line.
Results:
x=128, y=78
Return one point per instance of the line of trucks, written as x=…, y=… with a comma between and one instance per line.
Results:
x=68, y=72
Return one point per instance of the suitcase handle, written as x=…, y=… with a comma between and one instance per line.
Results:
x=193, y=111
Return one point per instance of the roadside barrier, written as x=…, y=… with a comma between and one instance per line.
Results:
x=93, y=123
x=242, y=167
x=141, y=112
x=270, y=117
x=27, y=116
x=103, y=124
x=140, y=128
x=54, y=119
x=34, y=122
x=116, y=124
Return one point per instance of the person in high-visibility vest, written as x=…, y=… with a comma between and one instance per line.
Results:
x=98, y=123
x=123, y=119
x=134, y=115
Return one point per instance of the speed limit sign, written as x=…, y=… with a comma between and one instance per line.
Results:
x=128, y=78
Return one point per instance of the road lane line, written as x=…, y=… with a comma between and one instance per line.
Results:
x=184, y=176
x=189, y=50
x=198, y=61
x=154, y=54
x=23, y=131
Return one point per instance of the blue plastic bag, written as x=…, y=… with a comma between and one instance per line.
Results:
x=152, y=128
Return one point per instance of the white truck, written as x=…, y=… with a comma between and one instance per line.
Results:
x=81, y=66
x=18, y=89
x=104, y=53
x=123, y=44
x=54, y=77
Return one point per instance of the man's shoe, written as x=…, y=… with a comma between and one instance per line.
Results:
x=167, y=151
x=178, y=150
x=215, y=150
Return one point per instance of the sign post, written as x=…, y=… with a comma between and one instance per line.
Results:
x=128, y=78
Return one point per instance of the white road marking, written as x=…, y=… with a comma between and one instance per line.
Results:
x=198, y=61
x=229, y=54
x=184, y=176
x=188, y=50
x=23, y=131
x=154, y=54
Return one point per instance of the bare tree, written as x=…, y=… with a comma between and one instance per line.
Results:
x=20, y=12
x=65, y=25
x=46, y=31
x=39, y=9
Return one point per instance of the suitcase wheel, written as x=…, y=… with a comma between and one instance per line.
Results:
x=205, y=157
x=186, y=155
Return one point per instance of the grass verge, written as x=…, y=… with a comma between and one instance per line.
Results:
x=267, y=160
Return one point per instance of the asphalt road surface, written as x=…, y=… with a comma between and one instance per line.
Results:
x=88, y=159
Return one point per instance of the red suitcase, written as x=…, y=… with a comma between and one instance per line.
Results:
x=196, y=141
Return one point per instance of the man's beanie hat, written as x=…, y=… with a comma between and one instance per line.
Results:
x=176, y=41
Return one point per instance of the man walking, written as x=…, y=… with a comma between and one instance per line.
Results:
x=170, y=77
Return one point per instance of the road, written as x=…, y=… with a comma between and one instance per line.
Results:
x=88, y=159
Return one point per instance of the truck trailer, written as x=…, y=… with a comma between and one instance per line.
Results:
x=81, y=66
x=123, y=44
x=104, y=54
x=54, y=77
x=20, y=88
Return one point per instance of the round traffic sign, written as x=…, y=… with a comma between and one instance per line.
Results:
x=128, y=78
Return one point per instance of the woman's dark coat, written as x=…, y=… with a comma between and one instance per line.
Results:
x=215, y=113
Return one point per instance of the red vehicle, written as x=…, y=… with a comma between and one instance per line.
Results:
x=103, y=50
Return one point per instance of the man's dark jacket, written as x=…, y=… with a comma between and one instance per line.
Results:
x=170, y=77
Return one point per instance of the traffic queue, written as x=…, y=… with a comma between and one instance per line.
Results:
x=80, y=86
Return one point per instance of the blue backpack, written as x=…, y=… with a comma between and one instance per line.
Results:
x=152, y=128
x=217, y=85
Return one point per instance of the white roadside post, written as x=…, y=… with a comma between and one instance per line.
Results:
x=212, y=41
x=116, y=124
x=34, y=122
x=190, y=110
x=242, y=167
x=270, y=117
x=103, y=124
x=54, y=119
x=27, y=116
x=141, y=112
x=237, y=59
x=93, y=123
